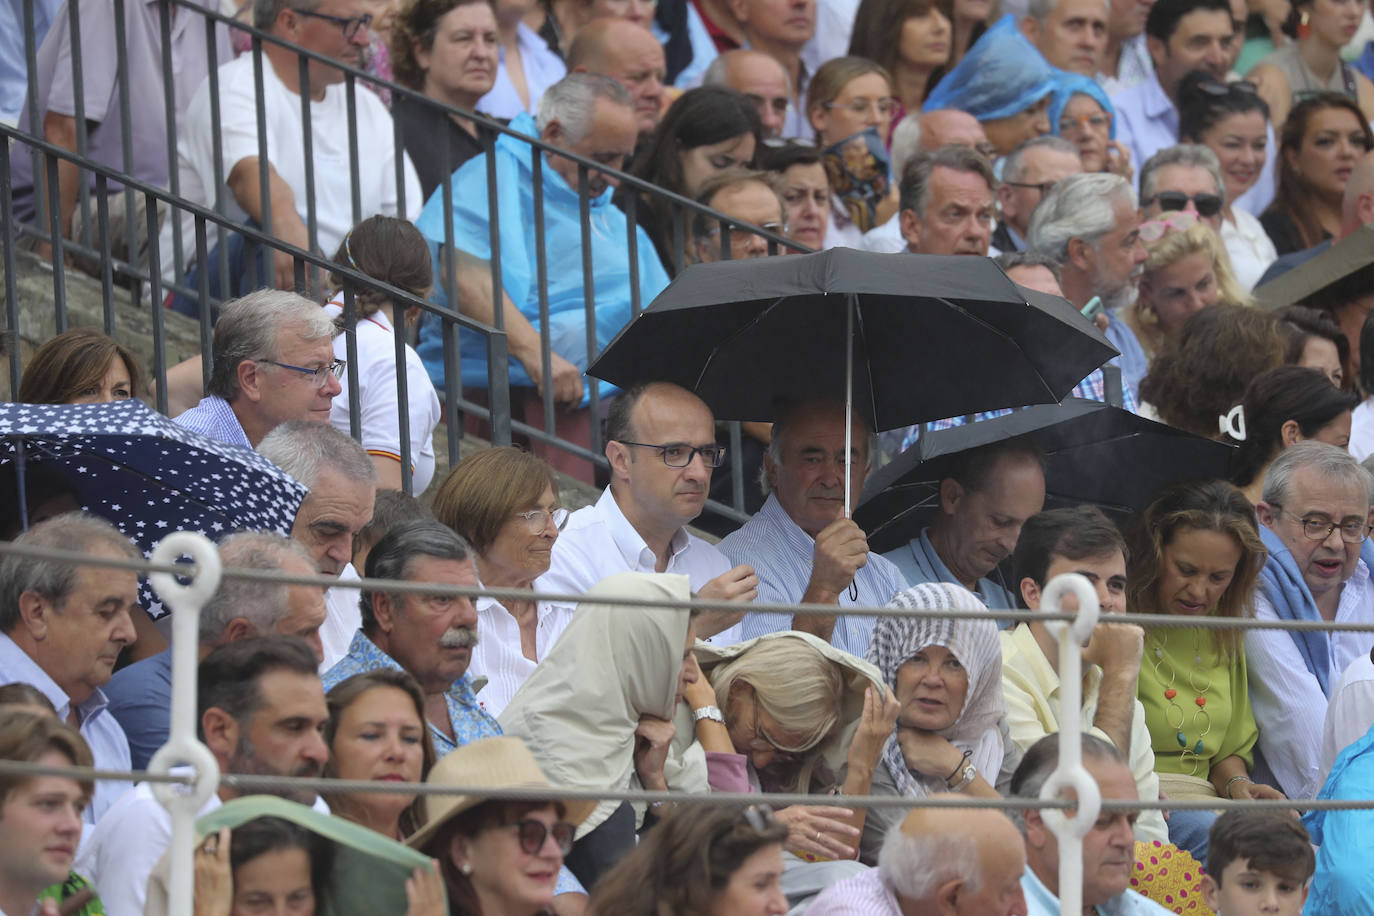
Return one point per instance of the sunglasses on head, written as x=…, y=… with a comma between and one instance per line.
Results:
x=1219, y=89
x=532, y=834
x=1207, y=205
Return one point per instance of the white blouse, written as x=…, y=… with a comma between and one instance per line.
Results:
x=1248, y=246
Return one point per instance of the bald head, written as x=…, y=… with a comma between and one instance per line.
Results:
x=629, y=54
x=955, y=860
x=950, y=126
x=759, y=77
x=1357, y=207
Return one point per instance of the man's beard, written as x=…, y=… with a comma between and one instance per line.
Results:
x=247, y=763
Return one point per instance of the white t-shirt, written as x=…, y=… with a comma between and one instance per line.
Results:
x=379, y=425
x=1249, y=248
x=238, y=126
x=499, y=657
x=342, y=620
x=1349, y=713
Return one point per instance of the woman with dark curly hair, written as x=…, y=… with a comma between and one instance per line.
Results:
x=1202, y=374
x=1283, y=406
x=447, y=50
x=701, y=860
x=1196, y=552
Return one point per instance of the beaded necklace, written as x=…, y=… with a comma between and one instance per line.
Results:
x=1201, y=722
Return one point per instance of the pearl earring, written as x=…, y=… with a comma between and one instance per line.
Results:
x=465, y=868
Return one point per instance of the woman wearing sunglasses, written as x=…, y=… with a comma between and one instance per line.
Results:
x=1312, y=64
x=1187, y=270
x=498, y=858
x=504, y=501
x=1231, y=119
x=703, y=860
x=1323, y=139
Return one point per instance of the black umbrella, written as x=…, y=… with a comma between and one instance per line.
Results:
x=903, y=339
x=1095, y=453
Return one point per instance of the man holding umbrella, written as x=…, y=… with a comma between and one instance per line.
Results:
x=800, y=543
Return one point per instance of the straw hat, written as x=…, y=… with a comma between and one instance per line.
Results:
x=494, y=763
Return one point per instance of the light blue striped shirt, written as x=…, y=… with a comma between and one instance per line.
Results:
x=214, y=419
x=782, y=554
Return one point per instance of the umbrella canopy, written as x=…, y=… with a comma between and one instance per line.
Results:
x=1094, y=453
x=150, y=477
x=932, y=337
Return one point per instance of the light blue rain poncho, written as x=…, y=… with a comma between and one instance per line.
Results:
x=1066, y=86
x=1344, y=882
x=562, y=250
x=1003, y=74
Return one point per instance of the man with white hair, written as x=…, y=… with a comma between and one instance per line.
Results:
x=592, y=116
x=1184, y=178
x=273, y=356
x=1089, y=224
x=946, y=861
x=141, y=694
x=342, y=484
x=1027, y=176
x=1072, y=34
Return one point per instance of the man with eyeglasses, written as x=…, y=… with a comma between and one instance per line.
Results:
x=748, y=198
x=341, y=161
x=273, y=356
x=763, y=81
x=1183, y=178
x=1315, y=515
x=1027, y=176
x=661, y=443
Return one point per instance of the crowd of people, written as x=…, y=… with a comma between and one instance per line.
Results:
x=1208, y=224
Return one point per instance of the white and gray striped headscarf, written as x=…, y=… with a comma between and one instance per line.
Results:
x=975, y=644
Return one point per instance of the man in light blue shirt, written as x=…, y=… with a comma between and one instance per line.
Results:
x=982, y=508
x=800, y=544
x=1108, y=848
x=1182, y=35
x=62, y=628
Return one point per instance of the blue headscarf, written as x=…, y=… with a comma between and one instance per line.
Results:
x=1001, y=75
x=1066, y=86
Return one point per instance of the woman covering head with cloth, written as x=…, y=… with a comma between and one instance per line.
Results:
x=951, y=733
x=1004, y=82
x=597, y=711
x=788, y=712
x=1081, y=113
x=1195, y=552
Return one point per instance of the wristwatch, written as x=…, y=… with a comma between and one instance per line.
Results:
x=969, y=773
x=708, y=712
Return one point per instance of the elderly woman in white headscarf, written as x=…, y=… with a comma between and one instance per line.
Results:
x=597, y=711
x=951, y=732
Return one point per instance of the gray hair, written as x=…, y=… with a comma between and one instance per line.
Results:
x=782, y=426
x=703, y=224
x=54, y=579
x=265, y=12
x=1194, y=155
x=915, y=188
x=248, y=328
x=1013, y=167
x=1331, y=463
x=1040, y=10
x=570, y=102
x=395, y=554
x=915, y=866
x=303, y=448
x=906, y=142
x=262, y=604
x=1010, y=260
x=1081, y=206
x=1041, y=760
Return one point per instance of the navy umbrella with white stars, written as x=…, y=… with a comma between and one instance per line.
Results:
x=147, y=475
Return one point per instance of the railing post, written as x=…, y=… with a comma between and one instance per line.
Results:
x=1070, y=775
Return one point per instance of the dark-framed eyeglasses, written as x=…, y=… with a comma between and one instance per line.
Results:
x=1207, y=205
x=1043, y=186
x=1319, y=528
x=532, y=834
x=680, y=454
x=349, y=25
x=536, y=520
x=318, y=376
x=1101, y=122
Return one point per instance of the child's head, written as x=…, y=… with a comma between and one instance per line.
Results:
x=1257, y=862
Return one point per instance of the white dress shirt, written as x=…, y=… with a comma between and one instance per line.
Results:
x=1362, y=430
x=1349, y=712
x=1288, y=701
x=599, y=541
x=342, y=620
x=1248, y=246
x=498, y=655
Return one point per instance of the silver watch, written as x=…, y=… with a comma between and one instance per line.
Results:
x=970, y=773
x=708, y=712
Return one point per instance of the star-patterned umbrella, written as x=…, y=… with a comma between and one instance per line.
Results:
x=147, y=475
